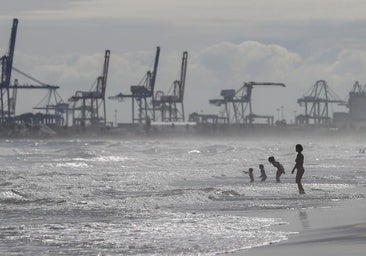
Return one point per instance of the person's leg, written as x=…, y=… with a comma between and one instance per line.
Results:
x=299, y=174
x=278, y=174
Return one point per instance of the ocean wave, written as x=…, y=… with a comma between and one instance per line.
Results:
x=163, y=233
x=12, y=196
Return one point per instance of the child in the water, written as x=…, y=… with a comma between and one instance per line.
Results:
x=280, y=169
x=263, y=173
x=250, y=172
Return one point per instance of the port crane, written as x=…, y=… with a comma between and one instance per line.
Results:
x=8, y=90
x=316, y=102
x=238, y=102
x=171, y=105
x=52, y=104
x=142, y=95
x=89, y=107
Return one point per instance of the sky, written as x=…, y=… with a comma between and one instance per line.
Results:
x=295, y=42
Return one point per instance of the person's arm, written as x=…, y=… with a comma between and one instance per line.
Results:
x=296, y=164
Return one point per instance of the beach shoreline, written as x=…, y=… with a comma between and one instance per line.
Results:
x=337, y=229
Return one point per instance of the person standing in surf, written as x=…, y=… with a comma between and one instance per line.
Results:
x=299, y=166
x=280, y=169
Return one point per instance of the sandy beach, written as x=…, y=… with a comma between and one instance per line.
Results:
x=338, y=229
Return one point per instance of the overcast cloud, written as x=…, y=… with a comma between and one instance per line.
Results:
x=229, y=42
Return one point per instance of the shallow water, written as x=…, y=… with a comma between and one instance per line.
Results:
x=160, y=197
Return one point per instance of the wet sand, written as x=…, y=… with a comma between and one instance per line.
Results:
x=341, y=240
x=338, y=229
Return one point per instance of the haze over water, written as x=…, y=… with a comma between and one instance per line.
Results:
x=161, y=197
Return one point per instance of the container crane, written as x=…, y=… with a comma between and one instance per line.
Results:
x=238, y=102
x=50, y=102
x=87, y=103
x=8, y=91
x=171, y=106
x=142, y=95
x=316, y=103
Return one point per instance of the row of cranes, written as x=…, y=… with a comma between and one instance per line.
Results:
x=56, y=110
x=88, y=108
x=238, y=107
x=152, y=105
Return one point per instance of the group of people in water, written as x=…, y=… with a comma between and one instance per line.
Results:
x=299, y=167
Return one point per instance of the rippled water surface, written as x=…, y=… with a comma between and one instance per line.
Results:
x=162, y=197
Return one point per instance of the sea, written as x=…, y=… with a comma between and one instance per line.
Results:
x=163, y=196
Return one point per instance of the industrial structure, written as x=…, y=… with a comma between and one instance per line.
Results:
x=170, y=106
x=238, y=104
x=357, y=106
x=316, y=102
x=52, y=104
x=9, y=91
x=142, y=95
x=89, y=107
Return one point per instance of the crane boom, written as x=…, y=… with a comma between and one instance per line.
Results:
x=7, y=60
x=155, y=70
x=9, y=64
x=183, y=73
x=266, y=84
x=105, y=71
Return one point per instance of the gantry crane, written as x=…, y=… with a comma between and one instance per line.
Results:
x=51, y=103
x=8, y=91
x=171, y=105
x=89, y=107
x=142, y=95
x=316, y=102
x=237, y=102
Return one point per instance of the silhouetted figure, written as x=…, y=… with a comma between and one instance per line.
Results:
x=299, y=165
x=280, y=169
x=250, y=174
x=263, y=173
